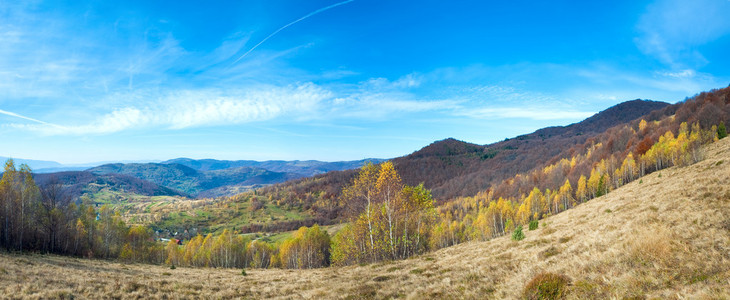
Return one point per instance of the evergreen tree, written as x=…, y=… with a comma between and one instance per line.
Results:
x=518, y=235
x=721, y=130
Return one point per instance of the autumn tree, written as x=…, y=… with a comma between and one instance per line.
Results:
x=393, y=222
x=8, y=194
x=581, y=191
x=308, y=248
x=360, y=197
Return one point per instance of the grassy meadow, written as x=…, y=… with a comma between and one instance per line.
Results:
x=665, y=236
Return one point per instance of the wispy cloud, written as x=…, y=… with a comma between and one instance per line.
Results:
x=672, y=30
x=375, y=99
x=12, y=114
x=200, y=108
x=531, y=113
x=44, y=56
x=663, y=85
x=290, y=24
x=509, y=102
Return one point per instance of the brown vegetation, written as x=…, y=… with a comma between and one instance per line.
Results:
x=452, y=168
x=666, y=236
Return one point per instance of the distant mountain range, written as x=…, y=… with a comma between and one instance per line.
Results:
x=197, y=183
x=34, y=164
x=183, y=177
x=304, y=168
x=45, y=166
x=450, y=168
x=78, y=183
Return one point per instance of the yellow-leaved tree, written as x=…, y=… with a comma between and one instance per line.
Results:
x=389, y=220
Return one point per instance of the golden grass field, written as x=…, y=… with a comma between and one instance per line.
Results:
x=666, y=236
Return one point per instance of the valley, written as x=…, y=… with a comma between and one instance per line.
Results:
x=382, y=238
x=666, y=235
x=349, y=149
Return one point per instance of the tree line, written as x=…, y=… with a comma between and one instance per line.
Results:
x=386, y=219
x=45, y=219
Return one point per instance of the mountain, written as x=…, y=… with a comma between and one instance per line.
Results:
x=33, y=164
x=205, y=178
x=193, y=182
x=452, y=168
x=58, y=169
x=662, y=237
x=302, y=167
x=78, y=183
x=44, y=166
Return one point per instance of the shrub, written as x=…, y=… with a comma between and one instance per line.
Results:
x=721, y=131
x=533, y=224
x=551, y=251
x=416, y=271
x=546, y=286
x=172, y=267
x=518, y=235
x=243, y=272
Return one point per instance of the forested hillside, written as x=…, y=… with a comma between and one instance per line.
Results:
x=205, y=178
x=387, y=219
x=663, y=236
x=449, y=168
x=452, y=168
x=197, y=183
x=78, y=183
x=583, y=171
x=305, y=168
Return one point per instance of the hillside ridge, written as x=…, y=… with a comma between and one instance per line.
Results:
x=465, y=168
x=302, y=167
x=193, y=182
x=666, y=235
x=77, y=183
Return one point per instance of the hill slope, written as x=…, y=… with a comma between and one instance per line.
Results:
x=301, y=167
x=77, y=183
x=666, y=236
x=198, y=183
x=452, y=168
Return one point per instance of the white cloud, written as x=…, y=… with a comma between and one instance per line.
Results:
x=368, y=105
x=687, y=73
x=200, y=108
x=376, y=99
x=408, y=81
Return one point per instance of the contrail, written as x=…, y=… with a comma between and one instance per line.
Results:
x=292, y=23
x=12, y=114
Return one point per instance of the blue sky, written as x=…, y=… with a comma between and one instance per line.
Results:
x=329, y=80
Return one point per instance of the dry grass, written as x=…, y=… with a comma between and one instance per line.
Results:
x=668, y=238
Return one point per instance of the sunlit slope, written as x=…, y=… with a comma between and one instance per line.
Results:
x=666, y=236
